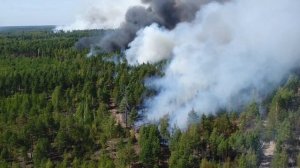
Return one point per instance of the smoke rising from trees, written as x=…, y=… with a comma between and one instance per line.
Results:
x=167, y=13
x=221, y=54
x=132, y=17
x=228, y=55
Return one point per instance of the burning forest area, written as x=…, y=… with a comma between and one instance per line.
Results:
x=150, y=84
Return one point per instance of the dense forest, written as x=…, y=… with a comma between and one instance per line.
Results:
x=60, y=108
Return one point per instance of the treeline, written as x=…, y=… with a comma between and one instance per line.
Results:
x=42, y=43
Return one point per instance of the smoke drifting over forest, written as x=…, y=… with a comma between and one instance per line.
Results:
x=128, y=18
x=220, y=54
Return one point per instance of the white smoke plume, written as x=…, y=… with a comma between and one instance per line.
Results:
x=101, y=14
x=220, y=57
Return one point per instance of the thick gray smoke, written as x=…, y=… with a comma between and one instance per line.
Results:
x=222, y=58
x=172, y=12
x=136, y=18
x=166, y=13
x=107, y=14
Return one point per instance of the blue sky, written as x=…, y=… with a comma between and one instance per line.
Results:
x=38, y=12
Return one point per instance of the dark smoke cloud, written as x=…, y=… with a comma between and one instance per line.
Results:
x=166, y=13
x=136, y=18
x=166, y=10
x=173, y=12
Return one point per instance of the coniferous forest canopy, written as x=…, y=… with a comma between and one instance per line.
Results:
x=60, y=108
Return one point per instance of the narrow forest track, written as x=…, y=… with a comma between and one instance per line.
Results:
x=112, y=144
x=121, y=120
x=268, y=153
x=119, y=117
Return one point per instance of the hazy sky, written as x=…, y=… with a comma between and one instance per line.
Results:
x=38, y=12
